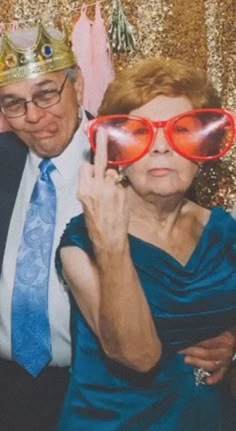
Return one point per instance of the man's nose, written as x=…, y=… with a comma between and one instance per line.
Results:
x=33, y=113
x=161, y=144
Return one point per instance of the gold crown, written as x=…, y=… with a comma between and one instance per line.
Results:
x=46, y=54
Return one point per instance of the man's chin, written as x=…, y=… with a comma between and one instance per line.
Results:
x=47, y=147
x=44, y=143
x=46, y=153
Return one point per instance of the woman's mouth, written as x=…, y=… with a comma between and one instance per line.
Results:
x=159, y=172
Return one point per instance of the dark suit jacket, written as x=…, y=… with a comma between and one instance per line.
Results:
x=12, y=160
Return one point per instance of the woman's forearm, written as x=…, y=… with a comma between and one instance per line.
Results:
x=126, y=329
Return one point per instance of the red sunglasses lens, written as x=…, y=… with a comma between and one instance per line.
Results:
x=128, y=138
x=202, y=134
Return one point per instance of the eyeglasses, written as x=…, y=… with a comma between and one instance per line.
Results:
x=201, y=135
x=43, y=99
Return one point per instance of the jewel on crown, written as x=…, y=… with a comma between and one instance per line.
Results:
x=34, y=50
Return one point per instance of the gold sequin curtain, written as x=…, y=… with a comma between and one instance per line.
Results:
x=199, y=31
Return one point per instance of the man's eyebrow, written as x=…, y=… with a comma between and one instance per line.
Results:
x=16, y=96
x=10, y=96
x=45, y=82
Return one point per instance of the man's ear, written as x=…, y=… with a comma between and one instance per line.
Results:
x=79, y=87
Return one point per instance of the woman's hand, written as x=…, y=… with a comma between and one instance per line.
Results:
x=213, y=355
x=104, y=200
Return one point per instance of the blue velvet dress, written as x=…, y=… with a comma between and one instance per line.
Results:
x=189, y=303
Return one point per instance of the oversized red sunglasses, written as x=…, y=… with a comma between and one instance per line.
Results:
x=201, y=135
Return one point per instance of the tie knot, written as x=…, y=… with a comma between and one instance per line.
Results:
x=46, y=167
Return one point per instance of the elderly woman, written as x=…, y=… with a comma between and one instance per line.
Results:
x=151, y=272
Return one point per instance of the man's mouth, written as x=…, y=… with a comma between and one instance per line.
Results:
x=45, y=132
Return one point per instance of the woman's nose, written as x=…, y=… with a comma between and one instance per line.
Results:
x=161, y=144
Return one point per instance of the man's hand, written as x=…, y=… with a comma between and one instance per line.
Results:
x=214, y=355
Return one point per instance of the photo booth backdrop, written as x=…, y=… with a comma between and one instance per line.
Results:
x=201, y=32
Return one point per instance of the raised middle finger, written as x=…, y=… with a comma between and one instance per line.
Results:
x=100, y=159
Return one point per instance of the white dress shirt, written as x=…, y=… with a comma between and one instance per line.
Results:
x=65, y=179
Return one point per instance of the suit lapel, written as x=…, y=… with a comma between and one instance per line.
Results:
x=12, y=160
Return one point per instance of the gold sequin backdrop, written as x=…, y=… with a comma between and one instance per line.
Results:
x=200, y=31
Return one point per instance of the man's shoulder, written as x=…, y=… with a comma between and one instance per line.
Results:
x=9, y=138
x=11, y=146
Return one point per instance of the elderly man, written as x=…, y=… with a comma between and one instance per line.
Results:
x=40, y=91
x=40, y=95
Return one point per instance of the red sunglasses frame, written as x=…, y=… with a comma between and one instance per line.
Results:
x=167, y=125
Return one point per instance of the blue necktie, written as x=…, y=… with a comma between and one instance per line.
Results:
x=31, y=341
